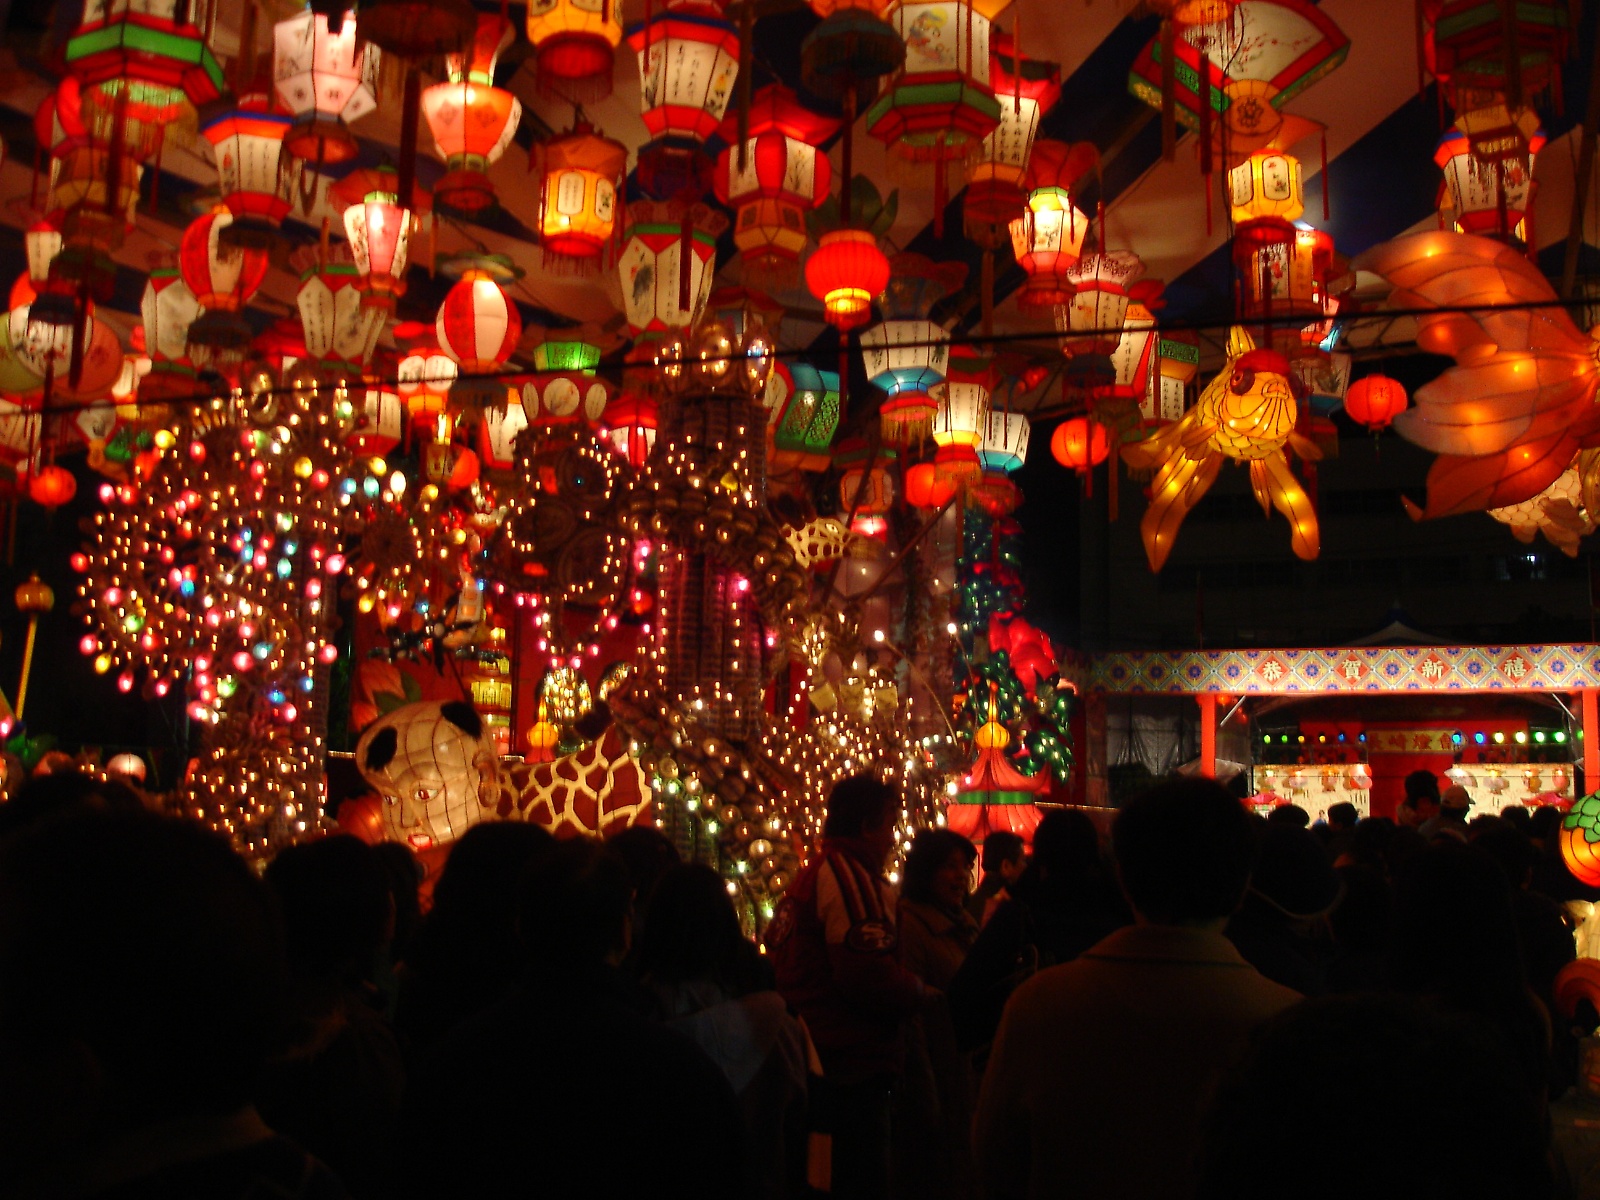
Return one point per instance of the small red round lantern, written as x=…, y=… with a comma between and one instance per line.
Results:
x=1375, y=401
x=1080, y=443
x=52, y=487
x=927, y=488
x=478, y=324
x=847, y=272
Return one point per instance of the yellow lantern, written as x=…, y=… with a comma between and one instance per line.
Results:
x=574, y=46
x=578, y=203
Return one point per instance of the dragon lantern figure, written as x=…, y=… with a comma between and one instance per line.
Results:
x=1248, y=414
x=1509, y=417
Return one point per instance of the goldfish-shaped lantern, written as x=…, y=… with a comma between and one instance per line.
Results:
x=1564, y=512
x=1508, y=418
x=1248, y=414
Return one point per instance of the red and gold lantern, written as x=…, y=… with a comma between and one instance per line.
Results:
x=1487, y=194
x=1375, y=401
x=847, y=272
x=777, y=179
x=583, y=173
x=472, y=121
x=927, y=489
x=1080, y=444
x=574, y=46
x=222, y=278
x=52, y=487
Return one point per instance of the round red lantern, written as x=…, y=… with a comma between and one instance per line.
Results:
x=52, y=487
x=847, y=272
x=927, y=488
x=1375, y=401
x=472, y=121
x=222, y=278
x=478, y=326
x=574, y=46
x=1080, y=444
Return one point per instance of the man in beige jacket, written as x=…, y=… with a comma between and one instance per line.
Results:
x=1103, y=1066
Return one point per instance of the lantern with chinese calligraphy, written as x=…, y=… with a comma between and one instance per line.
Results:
x=906, y=355
x=136, y=48
x=688, y=60
x=1093, y=318
x=222, y=278
x=960, y=419
x=668, y=263
x=578, y=202
x=1048, y=237
x=325, y=77
x=1375, y=401
x=379, y=225
x=1080, y=444
x=472, y=121
x=425, y=373
x=1134, y=359
x=1485, y=46
x=631, y=424
x=498, y=429
x=1026, y=89
x=1486, y=194
x=771, y=185
x=804, y=428
x=1005, y=441
x=478, y=325
x=339, y=327
x=246, y=140
x=574, y=46
x=1177, y=362
x=1285, y=279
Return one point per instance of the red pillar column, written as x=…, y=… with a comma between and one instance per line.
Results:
x=1591, y=740
x=1208, y=734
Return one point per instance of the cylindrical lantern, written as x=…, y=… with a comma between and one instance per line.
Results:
x=478, y=325
x=940, y=102
x=1080, y=444
x=339, y=327
x=963, y=412
x=847, y=272
x=1093, y=317
x=472, y=121
x=574, y=46
x=906, y=359
x=804, y=429
x=1285, y=278
x=379, y=226
x=688, y=60
x=1047, y=238
x=325, y=77
x=1005, y=441
x=1177, y=362
x=246, y=140
x=1026, y=89
x=781, y=177
x=668, y=263
x=1375, y=401
x=222, y=278
x=578, y=202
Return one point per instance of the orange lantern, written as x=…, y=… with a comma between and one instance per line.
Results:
x=926, y=488
x=1047, y=238
x=574, y=46
x=847, y=272
x=578, y=203
x=1080, y=444
x=1375, y=401
x=778, y=178
x=424, y=375
x=52, y=487
x=472, y=121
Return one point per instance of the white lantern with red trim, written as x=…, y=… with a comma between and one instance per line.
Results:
x=425, y=374
x=1093, y=317
x=656, y=295
x=688, y=60
x=381, y=419
x=324, y=77
x=478, y=325
x=339, y=326
x=222, y=277
x=246, y=144
x=497, y=433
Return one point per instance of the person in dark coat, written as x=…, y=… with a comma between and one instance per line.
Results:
x=1064, y=903
x=564, y=1087
x=1277, y=926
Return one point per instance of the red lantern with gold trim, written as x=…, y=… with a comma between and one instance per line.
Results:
x=471, y=120
x=222, y=278
x=1080, y=444
x=847, y=272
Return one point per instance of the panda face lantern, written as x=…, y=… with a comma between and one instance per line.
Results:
x=435, y=768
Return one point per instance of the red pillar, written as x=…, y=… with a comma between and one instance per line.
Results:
x=1208, y=734
x=1591, y=740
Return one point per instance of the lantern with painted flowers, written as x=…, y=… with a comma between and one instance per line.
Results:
x=325, y=76
x=246, y=141
x=478, y=325
x=472, y=121
x=574, y=46
x=1266, y=189
x=425, y=373
x=133, y=47
x=1093, y=318
x=688, y=61
x=668, y=263
x=222, y=278
x=804, y=428
x=959, y=420
x=1026, y=90
x=940, y=102
x=774, y=182
x=1285, y=278
x=1048, y=237
x=583, y=173
x=907, y=354
x=1487, y=194
x=340, y=328
x=379, y=225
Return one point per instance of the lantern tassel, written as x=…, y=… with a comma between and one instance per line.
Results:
x=80, y=332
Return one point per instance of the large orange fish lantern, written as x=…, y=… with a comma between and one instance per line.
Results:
x=1247, y=414
x=1507, y=419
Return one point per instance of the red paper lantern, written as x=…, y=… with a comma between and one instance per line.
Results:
x=631, y=425
x=926, y=488
x=246, y=141
x=52, y=487
x=782, y=176
x=847, y=272
x=424, y=375
x=478, y=326
x=378, y=223
x=1375, y=401
x=472, y=121
x=222, y=278
x=574, y=46
x=583, y=173
x=1080, y=444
